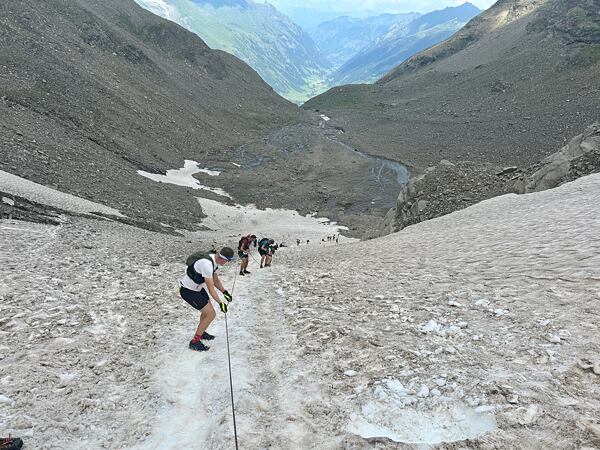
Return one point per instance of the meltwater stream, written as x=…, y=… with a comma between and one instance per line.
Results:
x=381, y=164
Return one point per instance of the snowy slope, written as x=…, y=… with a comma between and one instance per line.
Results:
x=479, y=325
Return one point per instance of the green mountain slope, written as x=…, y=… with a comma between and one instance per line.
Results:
x=342, y=38
x=401, y=41
x=279, y=50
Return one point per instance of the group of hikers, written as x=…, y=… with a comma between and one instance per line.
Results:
x=201, y=281
x=332, y=238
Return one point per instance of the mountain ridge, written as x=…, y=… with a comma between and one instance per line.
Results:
x=401, y=42
x=271, y=43
x=508, y=88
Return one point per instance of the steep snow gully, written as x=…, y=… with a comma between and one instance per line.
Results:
x=479, y=329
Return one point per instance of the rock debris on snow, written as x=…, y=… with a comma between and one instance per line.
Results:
x=99, y=355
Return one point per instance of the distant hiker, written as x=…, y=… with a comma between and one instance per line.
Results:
x=244, y=252
x=297, y=241
x=307, y=241
x=264, y=249
x=199, y=281
x=272, y=249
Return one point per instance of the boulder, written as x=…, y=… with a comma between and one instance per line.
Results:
x=566, y=164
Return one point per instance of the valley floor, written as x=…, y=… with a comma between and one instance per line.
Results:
x=478, y=329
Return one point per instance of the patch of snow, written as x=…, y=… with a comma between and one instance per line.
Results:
x=325, y=118
x=38, y=193
x=184, y=177
x=444, y=424
x=8, y=201
x=431, y=327
x=4, y=400
x=283, y=224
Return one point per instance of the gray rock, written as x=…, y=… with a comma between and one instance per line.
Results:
x=508, y=170
x=563, y=165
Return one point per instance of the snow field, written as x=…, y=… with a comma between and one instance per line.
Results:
x=480, y=325
x=45, y=195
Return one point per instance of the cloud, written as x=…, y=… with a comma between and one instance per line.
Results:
x=379, y=5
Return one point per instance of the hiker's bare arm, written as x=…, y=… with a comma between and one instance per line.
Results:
x=218, y=283
x=210, y=284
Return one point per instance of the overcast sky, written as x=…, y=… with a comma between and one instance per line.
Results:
x=379, y=5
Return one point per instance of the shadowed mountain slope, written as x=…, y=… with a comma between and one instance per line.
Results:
x=91, y=92
x=509, y=88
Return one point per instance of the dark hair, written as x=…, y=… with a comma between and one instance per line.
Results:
x=271, y=241
x=253, y=236
x=227, y=252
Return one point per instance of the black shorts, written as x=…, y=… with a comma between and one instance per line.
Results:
x=242, y=254
x=196, y=299
x=262, y=252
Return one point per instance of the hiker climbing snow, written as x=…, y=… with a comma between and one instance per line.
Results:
x=200, y=280
x=244, y=252
x=265, y=249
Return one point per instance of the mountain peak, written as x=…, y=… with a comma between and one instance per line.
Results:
x=223, y=3
x=499, y=15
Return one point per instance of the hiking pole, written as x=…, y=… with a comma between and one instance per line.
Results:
x=255, y=260
x=230, y=377
x=231, y=385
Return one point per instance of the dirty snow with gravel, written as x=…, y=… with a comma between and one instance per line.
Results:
x=288, y=225
x=356, y=345
x=15, y=185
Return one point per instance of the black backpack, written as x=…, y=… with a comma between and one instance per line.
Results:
x=191, y=260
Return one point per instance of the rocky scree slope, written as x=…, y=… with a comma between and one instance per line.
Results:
x=91, y=92
x=447, y=187
x=509, y=88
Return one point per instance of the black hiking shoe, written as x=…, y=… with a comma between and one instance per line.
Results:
x=207, y=337
x=261, y=267
x=11, y=443
x=242, y=273
x=198, y=346
x=246, y=271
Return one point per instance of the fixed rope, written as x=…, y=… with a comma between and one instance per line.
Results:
x=230, y=377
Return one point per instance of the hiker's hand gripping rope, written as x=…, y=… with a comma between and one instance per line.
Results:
x=223, y=307
x=227, y=296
